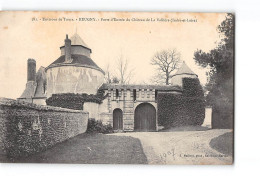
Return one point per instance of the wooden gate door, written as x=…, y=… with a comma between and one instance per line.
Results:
x=117, y=119
x=145, y=117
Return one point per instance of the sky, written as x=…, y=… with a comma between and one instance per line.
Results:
x=137, y=39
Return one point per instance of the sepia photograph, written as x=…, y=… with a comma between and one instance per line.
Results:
x=153, y=88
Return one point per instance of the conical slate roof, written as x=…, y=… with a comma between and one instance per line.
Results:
x=76, y=60
x=77, y=40
x=184, y=69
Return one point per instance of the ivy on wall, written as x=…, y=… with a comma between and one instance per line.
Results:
x=27, y=128
x=75, y=101
x=192, y=87
x=185, y=109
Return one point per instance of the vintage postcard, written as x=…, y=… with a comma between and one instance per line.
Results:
x=117, y=88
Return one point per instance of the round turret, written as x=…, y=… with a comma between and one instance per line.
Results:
x=183, y=72
x=74, y=71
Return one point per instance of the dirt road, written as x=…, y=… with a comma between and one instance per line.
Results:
x=180, y=147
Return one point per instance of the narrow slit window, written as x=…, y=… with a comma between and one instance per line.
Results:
x=117, y=93
x=134, y=94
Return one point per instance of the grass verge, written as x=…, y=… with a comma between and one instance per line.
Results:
x=92, y=149
x=223, y=143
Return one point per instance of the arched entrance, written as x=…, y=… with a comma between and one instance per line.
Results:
x=145, y=117
x=117, y=119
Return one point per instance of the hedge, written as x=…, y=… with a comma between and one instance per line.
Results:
x=96, y=126
x=192, y=87
x=74, y=101
x=223, y=114
x=177, y=110
x=183, y=109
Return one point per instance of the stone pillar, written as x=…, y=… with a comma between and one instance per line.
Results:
x=208, y=117
x=109, y=100
x=153, y=94
x=142, y=93
x=148, y=93
x=137, y=94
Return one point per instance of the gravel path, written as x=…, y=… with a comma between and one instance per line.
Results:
x=180, y=147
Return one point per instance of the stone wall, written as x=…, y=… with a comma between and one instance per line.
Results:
x=73, y=79
x=29, y=128
x=208, y=117
x=39, y=101
x=92, y=109
x=77, y=50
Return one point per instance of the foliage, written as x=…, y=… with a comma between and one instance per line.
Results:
x=222, y=116
x=192, y=87
x=115, y=80
x=226, y=147
x=96, y=126
x=220, y=62
x=178, y=110
x=74, y=101
x=109, y=77
x=166, y=62
x=21, y=104
x=185, y=109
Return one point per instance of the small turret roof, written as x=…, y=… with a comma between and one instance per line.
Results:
x=77, y=40
x=184, y=69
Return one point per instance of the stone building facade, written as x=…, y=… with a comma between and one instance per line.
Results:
x=126, y=104
x=126, y=107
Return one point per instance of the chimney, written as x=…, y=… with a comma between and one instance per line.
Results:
x=31, y=70
x=67, y=49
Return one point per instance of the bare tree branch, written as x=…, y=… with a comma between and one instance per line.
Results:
x=108, y=74
x=166, y=62
x=125, y=72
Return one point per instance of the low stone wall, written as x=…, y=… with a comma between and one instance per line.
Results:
x=29, y=128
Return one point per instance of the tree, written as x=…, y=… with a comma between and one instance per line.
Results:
x=108, y=74
x=115, y=80
x=125, y=72
x=166, y=62
x=220, y=75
